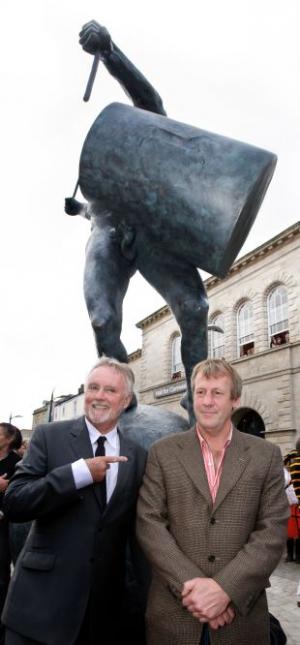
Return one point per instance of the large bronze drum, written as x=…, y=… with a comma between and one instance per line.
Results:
x=197, y=193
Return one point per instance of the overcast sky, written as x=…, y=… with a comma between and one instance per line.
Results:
x=228, y=66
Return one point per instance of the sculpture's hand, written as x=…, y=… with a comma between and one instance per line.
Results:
x=94, y=38
x=73, y=206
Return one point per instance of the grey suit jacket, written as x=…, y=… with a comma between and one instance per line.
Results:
x=238, y=540
x=70, y=536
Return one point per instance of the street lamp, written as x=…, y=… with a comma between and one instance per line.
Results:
x=15, y=416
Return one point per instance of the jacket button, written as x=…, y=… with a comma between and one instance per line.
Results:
x=213, y=520
x=211, y=558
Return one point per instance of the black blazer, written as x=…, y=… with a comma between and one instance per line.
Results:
x=70, y=538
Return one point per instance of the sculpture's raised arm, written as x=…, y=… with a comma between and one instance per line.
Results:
x=95, y=39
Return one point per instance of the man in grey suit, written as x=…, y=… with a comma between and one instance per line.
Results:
x=212, y=517
x=78, y=482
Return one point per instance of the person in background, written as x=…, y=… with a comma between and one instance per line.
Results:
x=10, y=439
x=292, y=463
x=23, y=447
x=18, y=531
x=211, y=519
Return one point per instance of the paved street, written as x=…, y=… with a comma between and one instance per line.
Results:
x=282, y=599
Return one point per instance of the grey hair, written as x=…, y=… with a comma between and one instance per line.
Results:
x=122, y=368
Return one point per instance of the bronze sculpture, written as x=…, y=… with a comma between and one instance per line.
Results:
x=163, y=198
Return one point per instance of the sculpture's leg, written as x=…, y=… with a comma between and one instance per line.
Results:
x=190, y=309
x=106, y=278
x=181, y=286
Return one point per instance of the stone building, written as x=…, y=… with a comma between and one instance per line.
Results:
x=41, y=414
x=65, y=406
x=258, y=307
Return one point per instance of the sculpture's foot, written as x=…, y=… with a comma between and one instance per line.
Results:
x=187, y=405
x=184, y=402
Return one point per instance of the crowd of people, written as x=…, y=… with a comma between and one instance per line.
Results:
x=11, y=451
x=187, y=536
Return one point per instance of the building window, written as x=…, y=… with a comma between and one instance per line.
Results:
x=278, y=316
x=216, y=338
x=177, y=365
x=245, y=331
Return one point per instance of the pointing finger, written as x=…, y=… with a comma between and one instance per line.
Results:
x=109, y=459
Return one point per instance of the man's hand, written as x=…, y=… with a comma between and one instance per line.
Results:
x=99, y=465
x=205, y=598
x=3, y=483
x=94, y=38
x=223, y=619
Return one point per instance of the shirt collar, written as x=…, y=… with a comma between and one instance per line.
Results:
x=111, y=436
x=204, y=442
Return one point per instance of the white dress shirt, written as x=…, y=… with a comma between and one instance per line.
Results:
x=81, y=472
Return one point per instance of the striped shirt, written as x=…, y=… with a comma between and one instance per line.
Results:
x=292, y=462
x=213, y=474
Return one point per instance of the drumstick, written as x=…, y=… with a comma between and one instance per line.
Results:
x=92, y=76
x=75, y=189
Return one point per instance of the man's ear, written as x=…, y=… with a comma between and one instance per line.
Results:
x=236, y=403
x=127, y=401
x=133, y=402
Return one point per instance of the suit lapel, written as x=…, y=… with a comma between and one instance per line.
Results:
x=80, y=440
x=124, y=469
x=235, y=462
x=190, y=455
x=82, y=448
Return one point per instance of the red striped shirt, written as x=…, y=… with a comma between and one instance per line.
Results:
x=213, y=474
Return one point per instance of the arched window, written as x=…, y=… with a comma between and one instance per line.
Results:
x=177, y=365
x=217, y=341
x=278, y=316
x=245, y=333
